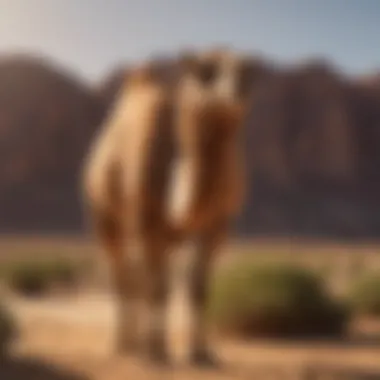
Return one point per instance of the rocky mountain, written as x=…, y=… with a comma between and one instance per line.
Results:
x=47, y=117
x=312, y=148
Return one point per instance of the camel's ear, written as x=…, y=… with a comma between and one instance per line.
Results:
x=205, y=71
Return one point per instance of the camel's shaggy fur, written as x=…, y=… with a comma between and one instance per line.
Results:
x=166, y=167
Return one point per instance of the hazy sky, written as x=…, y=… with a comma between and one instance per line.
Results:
x=91, y=36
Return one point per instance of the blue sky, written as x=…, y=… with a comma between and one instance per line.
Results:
x=92, y=36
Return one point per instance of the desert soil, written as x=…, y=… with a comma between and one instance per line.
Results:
x=71, y=339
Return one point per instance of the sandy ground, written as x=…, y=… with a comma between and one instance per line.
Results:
x=71, y=339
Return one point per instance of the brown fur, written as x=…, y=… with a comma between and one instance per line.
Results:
x=219, y=183
x=171, y=122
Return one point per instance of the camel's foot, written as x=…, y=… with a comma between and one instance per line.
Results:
x=204, y=358
x=157, y=353
x=127, y=346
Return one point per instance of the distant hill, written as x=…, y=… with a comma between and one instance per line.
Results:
x=47, y=117
x=108, y=88
x=312, y=139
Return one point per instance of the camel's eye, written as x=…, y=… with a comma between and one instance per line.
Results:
x=207, y=73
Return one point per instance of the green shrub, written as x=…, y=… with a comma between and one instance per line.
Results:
x=33, y=278
x=273, y=300
x=62, y=271
x=364, y=296
x=29, y=278
x=7, y=330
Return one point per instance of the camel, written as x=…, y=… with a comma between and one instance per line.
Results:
x=165, y=168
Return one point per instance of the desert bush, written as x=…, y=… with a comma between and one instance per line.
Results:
x=33, y=278
x=364, y=295
x=28, y=278
x=7, y=330
x=273, y=300
x=63, y=271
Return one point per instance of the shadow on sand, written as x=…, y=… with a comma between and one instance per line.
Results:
x=336, y=373
x=369, y=341
x=303, y=372
x=34, y=369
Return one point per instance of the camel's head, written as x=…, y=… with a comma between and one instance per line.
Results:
x=219, y=76
x=215, y=88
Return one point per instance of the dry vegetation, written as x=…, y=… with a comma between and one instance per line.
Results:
x=58, y=344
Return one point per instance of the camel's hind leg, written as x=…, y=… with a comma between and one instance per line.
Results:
x=111, y=233
x=207, y=247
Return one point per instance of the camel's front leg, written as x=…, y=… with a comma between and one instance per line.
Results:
x=157, y=279
x=204, y=256
x=128, y=289
x=109, y=229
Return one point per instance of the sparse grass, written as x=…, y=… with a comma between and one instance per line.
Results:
x=48, y=337
x=35, y=277
x=278, y=300
x=364, y=295
x=329, y=259
x=7, y=330
x=43, y=262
